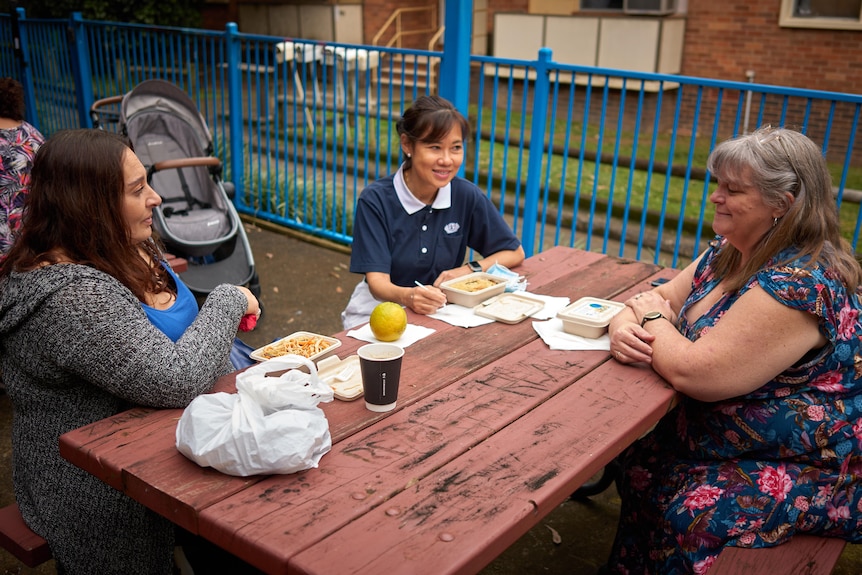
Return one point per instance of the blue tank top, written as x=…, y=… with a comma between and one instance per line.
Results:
x=176, y=319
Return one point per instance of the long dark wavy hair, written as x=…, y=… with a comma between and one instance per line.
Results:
x=429, y=119
x=74, y=213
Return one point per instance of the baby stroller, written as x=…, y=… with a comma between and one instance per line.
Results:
x=197, y=219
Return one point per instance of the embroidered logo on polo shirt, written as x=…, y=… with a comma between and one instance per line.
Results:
x=452, y=227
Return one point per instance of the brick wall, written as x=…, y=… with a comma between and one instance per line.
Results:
x=724, y=39
x=376, y=12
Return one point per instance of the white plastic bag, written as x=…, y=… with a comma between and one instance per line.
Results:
x=271, y=425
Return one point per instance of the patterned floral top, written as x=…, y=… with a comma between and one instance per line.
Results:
x=753, y=470
x=18, y=146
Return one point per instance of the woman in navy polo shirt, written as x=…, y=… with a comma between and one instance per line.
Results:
x=417, y=224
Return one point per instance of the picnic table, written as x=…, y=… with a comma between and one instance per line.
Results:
x=492, y=431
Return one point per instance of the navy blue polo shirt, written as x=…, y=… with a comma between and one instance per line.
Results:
x=395, y=233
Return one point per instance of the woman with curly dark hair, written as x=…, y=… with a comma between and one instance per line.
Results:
x=19, y=142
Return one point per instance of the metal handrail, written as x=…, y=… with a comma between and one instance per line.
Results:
x=436, y=38
x=396, y=18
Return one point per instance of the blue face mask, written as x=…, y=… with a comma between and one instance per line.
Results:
x=514, y=282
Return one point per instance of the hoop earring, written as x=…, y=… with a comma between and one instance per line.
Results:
x=774, y=222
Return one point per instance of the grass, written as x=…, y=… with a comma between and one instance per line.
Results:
x=575, y=175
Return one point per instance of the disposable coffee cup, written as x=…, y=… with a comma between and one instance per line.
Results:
x=380, y=364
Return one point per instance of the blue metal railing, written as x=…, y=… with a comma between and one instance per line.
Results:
x=603, y=159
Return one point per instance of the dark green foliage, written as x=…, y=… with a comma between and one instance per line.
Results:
x=184, y=13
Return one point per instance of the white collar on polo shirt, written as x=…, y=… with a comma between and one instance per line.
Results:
x=411, y=204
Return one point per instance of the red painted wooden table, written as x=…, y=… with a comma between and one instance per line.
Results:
x=492, y=431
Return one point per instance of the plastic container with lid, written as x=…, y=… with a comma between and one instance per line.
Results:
x=472, y=289
x=589, y=316
x=509, y=307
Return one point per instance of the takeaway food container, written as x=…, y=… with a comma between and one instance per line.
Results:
x=589, y=316
x=306, y=344
x=472, y=289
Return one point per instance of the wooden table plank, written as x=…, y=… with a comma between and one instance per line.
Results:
x=276, y=518
x=109, y=437
x=429, y=364
x=464, y=514
x=802, y=555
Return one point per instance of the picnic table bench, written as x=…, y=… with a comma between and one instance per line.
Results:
x=802, y=555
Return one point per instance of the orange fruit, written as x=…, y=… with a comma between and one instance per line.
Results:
x=388, y=321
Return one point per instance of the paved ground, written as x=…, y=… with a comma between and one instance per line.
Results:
x=305, y=285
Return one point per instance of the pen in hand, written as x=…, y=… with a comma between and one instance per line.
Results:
x=423, y=286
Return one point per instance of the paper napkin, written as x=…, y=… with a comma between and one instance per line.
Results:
x=411, y=335
x=552, y=306
x=552, y=333
x=460, y=316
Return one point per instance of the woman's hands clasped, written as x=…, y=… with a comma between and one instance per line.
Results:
x=630, y=342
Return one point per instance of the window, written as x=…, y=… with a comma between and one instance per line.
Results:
x=834, y=14
x=601, y=4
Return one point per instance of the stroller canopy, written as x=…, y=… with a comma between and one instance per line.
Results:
x=163, y=124
x=196, y=220
x=162, y=97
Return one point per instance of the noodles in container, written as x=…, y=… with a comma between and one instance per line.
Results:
x=302, y=343
x=472, y=289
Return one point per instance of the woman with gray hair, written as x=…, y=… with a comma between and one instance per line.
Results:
x=761, y=336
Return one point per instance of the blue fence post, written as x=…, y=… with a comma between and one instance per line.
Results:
x=23, y=46
x=537, y=150
x=455, y=66
x=80, y=60
x=235, y=109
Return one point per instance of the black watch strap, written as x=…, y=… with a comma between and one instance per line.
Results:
x=651, y=315
x=474, y=266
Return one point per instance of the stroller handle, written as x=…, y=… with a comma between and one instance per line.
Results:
x=101, y=103
x=213, y=162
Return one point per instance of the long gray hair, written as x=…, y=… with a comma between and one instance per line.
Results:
x=778, y=162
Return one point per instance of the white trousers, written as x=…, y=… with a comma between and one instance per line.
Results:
x=359, y=308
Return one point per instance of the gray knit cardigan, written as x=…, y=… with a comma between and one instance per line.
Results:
x=76, y=347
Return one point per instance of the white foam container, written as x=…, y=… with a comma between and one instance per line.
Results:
x=589, y=316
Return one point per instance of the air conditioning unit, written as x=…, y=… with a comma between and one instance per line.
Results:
x=653, y=7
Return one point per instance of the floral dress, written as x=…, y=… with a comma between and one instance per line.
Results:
x=752, y=471
x=18, y=146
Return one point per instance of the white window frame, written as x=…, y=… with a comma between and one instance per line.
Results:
x=786, y=19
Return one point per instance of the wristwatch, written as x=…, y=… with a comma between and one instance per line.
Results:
x=474, y=266
x=651, y=315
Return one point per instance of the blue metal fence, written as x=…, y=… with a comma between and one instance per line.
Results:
x=607, y=160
